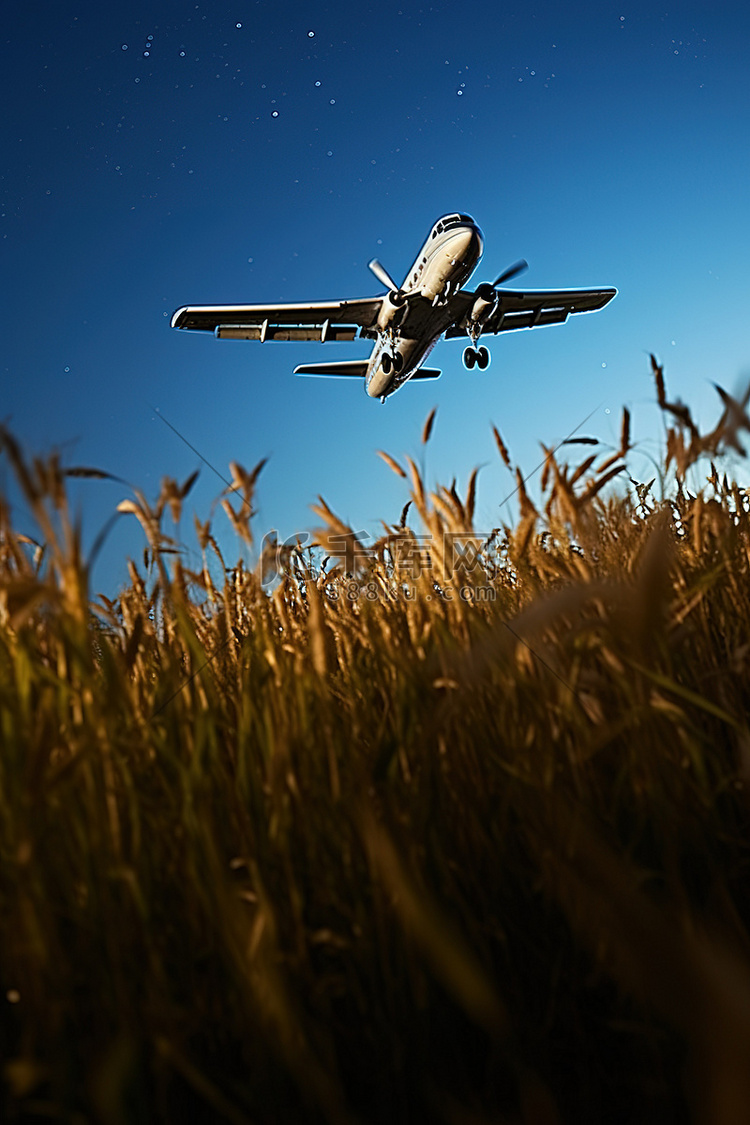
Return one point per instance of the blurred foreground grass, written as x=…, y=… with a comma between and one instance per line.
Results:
x=423, y=835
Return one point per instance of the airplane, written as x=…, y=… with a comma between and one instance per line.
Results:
x=409, y=319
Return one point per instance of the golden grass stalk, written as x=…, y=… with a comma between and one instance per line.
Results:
x=406, y=832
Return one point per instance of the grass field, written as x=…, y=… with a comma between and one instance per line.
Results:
x=410, y=833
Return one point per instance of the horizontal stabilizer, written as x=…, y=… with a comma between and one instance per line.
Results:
x=353, y=367
x=356, y=368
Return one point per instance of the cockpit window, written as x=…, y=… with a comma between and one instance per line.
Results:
x=452, y=221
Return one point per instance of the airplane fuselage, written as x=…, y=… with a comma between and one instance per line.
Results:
x=443, y=265
x=406, y=321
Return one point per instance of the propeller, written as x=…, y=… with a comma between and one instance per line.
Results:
x=489, y=292
x=396, y=294
x=512, y=271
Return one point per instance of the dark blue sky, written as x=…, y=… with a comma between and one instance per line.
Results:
x=162, y=154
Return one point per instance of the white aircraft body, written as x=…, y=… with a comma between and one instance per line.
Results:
x=408, y=320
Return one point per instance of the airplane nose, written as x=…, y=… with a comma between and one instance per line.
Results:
x=465, y=246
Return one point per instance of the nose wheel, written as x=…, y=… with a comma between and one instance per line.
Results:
x=479, y=357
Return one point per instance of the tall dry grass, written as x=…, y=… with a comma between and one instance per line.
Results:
x=417, y=835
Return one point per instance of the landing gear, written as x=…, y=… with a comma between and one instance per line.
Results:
x=476, y=356
x=391, y=361
x=390, y=357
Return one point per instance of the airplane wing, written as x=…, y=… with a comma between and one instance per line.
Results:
x=319, y=320
x=531, y=308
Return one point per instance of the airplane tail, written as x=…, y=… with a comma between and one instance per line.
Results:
x=356, y=368
x=426, y=373
x=353, y=368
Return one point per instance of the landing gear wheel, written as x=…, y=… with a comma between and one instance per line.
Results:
x=386, y=363
x=483, y=359
x=470, y=358
x=398, y=361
